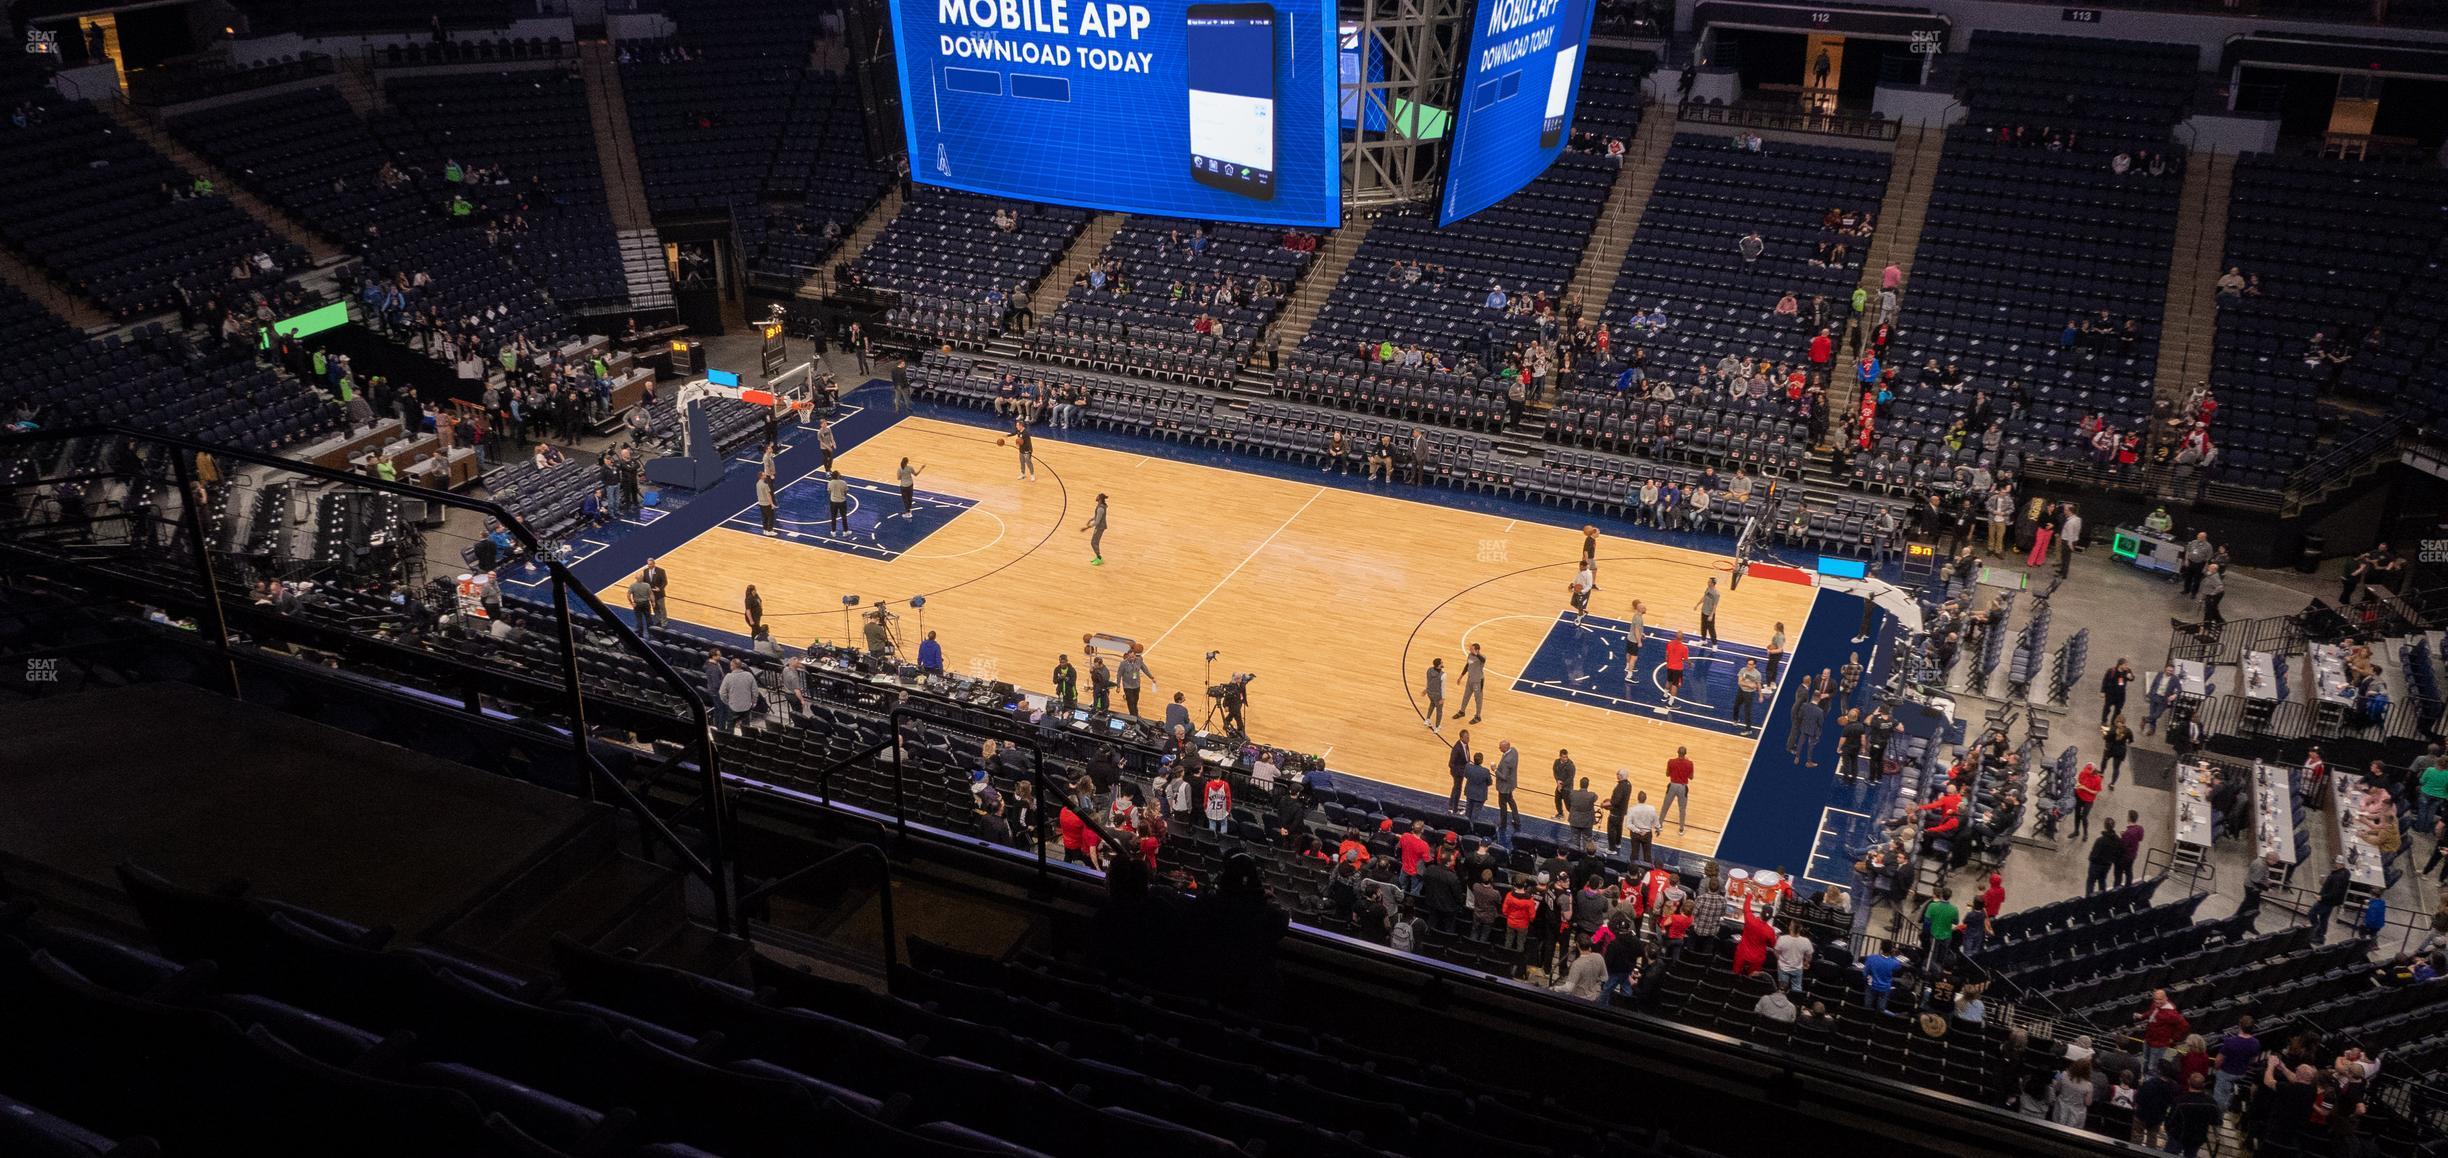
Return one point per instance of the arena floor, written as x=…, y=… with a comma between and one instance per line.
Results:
x=1334, y=596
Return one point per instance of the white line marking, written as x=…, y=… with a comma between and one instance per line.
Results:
x=1001, y=528
x=1774, y=702
x=1509, y=525
x=1228, y=575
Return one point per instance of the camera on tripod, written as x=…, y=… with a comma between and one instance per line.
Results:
x=1235, y=688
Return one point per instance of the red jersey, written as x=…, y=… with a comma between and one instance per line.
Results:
x=1676, y=654
x=1413, y=850
x=1676, y=926
x=1679, y=770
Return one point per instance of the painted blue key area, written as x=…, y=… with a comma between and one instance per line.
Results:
x=1581, y=661
x=879, y=529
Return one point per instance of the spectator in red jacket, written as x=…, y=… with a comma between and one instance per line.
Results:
x=1758, y=939
x=2162, y=1028
x=2087, y=785
x=1520, y=908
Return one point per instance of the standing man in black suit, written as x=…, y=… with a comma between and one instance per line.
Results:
x=659, y=579
x=1457, y=761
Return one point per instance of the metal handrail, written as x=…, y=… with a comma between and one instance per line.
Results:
x=713, y=869
x=864, y=852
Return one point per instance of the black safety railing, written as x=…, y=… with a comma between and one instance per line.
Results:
x=1787, y=118
x=64, y=485
x=866, y=855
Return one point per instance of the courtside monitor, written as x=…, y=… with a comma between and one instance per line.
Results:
x=722, y=378
x=1835, y=568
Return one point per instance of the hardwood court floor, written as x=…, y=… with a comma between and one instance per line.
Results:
x=1336, y=598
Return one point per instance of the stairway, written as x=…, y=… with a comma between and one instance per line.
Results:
x=591, y=887
x=820, y=282
x=1602, y=259
x=615, y=149
x=1334, y=255
x=354, y=76
x=1085, y=250
x=2188, y=321
x=646, y=271
x=317, y=247
x=1910, y=177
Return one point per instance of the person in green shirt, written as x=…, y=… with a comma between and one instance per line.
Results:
x=2433, y=789
x=385, y=471
x=1941, y=918
x=452, y=173
x=1861, y=298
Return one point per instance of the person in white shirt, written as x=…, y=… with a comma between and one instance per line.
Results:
x=1793, y=957
x=1640, y=827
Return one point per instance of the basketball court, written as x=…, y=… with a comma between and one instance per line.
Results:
x=1334, y=596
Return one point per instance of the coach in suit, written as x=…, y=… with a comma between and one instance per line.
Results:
x=1808, y=715
x=660, y=581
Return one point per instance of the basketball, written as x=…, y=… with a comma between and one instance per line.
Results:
x=998, y=442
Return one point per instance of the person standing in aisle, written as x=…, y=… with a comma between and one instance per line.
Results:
x=1474, y=684
x=765, y=501
x=1708, y=611
x=2196, y=558
x=1435, y=692
x=2112, y=691
x=1095, y=527
x=2213, y=589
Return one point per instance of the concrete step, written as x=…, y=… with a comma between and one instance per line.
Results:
x=819, y=281
x=1611, y=240
x=1334, y=256
x=615, y=148
x=1086, y=250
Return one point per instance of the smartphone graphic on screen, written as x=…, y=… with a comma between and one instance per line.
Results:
x=1231, y=58
x=1559, y=94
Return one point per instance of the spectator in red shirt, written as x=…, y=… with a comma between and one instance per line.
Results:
x=1758, y=938
x=1413, y=849
x=1822, y=352
x=1677, y=655
x=1676, y=928
x=2162, y=1028
x=1993, y=898
x=1079, y=842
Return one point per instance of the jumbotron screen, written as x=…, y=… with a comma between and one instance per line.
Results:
x=1519, y=87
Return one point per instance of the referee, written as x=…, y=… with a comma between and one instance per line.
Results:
x=838, y=489
x=1095, y=527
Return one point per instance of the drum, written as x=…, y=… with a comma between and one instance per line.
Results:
x=1764, y=885
x=1738, y=884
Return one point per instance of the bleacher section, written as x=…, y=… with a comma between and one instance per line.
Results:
x=953, y=270
x=534, y=124
x=115, y=220
x=154, y=380
x=259, y=1027
x=2340, y=249
x=822, y=168
x=1177, y=274
x=2025, y=244
x=1528, y=244
x=1687, y=305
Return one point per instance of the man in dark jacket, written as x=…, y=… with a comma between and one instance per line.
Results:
x=1457, y=760
x=1617, y=805
x=2332, y=894
x=1441, y=894
x=2104, y=852
x=2191, y=1119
